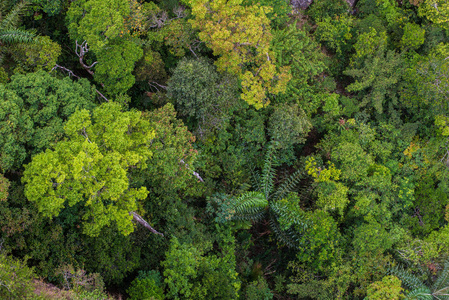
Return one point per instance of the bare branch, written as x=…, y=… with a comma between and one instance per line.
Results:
x=101, y=95
x=160, y=85
x=193, y=172
x=81, y=51
x=70, y=72
x=145, y=224
x=191, y=50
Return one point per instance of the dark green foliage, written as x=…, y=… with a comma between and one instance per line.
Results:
x=258, y=290
x=376, y=80
x=148, y=285
x=321, y=9
x=33, y=109
x=4, y=186
x=201, y=93
x=227, y=154
x=426, y=84
x=288, y=125
x=170, y=168
x=342, y=174
x=16, y=278
x=9, y=21
x=293, y=47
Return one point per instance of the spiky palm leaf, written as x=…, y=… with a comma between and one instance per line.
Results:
x=442, y=283
x=287, y=222
x=410, y=281
x=11, y=36
x=287, y=237
x=418, y=290
x=420, y=294
x=288, y=185
x=255, y=179
x=11, y=19
x=250, y=206
x=9, y=33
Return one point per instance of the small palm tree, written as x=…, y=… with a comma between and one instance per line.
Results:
x=264, y=202
x=418, y=290
x=9, y=20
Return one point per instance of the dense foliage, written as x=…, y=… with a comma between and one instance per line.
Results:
x=214, y=149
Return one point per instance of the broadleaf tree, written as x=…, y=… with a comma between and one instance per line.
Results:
x=90, y=168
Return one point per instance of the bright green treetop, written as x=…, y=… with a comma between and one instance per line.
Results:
x=90, y=168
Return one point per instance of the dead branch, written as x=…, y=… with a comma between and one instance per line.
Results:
x=70, y=72
x=145, y=224
x=193, y=172
x=101, y=95
x=81, y=51
x=151, y=83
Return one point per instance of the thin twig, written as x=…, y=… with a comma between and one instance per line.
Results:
x=65, y=69
x=160, y=85
x=70, y=72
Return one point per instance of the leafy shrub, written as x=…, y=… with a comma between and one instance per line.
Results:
x=15, y=278
x=148, y=285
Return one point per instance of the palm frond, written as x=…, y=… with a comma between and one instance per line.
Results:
x=409, y=280
x=268, y=171
x=420, y=294
x=288, y=185
x=442, y=282
x=287, y=223
x=10, y=36
x=255, y=179
x=287, y=237
x=250, y=206
x=11, y=19
x=288, y=215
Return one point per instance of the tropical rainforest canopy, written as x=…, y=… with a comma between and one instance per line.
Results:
x=224, y=149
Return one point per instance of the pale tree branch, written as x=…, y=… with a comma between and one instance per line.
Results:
x=81, y=51
x=70, y=72
x=193, y=172
x=144, y=223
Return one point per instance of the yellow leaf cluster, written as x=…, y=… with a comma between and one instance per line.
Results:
x=241, y=37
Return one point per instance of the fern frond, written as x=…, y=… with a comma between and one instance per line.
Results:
x=250, y=206
x=443, y=280
x=289, y=216
x=420, y=294
x=255, y=180
x=268, y=172
x=12, y=19
x=409, y=280
x=288, y=185
x=287, y=222
x=287, y=237
x=442, y=294
x=10, y=36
